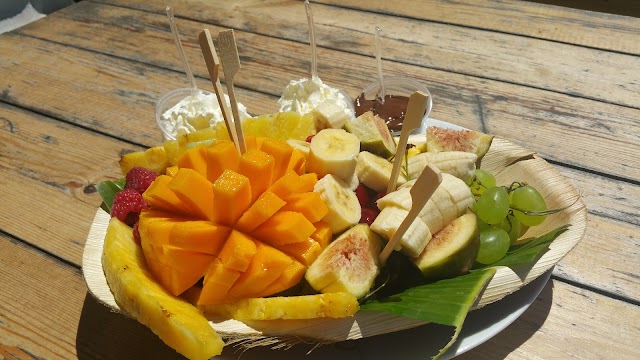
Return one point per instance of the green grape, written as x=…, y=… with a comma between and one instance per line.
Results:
x=481, y=181
x=494, y=244
x=511, y=225
x=482, y=226
x=527, y=198
x=493, y=205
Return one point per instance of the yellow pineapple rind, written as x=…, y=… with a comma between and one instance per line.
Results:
x=178, y=323
x=331, y=305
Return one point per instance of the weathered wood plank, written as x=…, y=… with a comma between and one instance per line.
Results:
x=580, y=132
x=47, y=172
x=526, y=61
x=46, y=312
x=591, y=262
x=573, y=26
x=101, y=92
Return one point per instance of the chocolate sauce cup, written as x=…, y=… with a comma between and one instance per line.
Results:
x=400, y=86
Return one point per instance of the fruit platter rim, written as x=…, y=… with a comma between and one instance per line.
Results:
x=369, y=323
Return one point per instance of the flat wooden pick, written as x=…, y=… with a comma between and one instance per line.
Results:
x=230, y=66
x=421, y=191
x=415, y=111
x=213, y=66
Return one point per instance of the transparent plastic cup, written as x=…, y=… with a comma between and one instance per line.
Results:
x=400, y=86
x=169, y=100
x=166, y=102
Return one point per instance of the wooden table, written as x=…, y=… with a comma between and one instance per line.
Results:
x=77, y=89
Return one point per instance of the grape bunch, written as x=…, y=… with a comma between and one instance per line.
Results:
x=503, y=213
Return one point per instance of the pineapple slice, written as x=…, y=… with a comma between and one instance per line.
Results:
x=178, y=323
x=332, y=305
x=154, y=159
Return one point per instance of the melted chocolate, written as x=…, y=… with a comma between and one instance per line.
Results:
x=392, y=110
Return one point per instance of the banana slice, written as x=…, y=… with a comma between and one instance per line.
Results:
x=414, y=239
x=445, y=205
x=374, y=171
x=457, y=163
x=333, y=151
x=432, y=217
x=459, y=191
x=344, y=207
x=328, y=115
x=401, y=198
x=348, y=264
x=300, y=145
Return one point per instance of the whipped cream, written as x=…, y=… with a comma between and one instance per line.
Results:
x=304, y=95
x=196, y=112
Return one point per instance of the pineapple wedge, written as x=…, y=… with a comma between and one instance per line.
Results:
x=154, y=159
x=332, y=305
x=179, y=324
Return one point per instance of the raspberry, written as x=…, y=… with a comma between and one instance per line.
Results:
x=362, y=192
x=368, y=215
x=309, y=138
x=139, y=179
x=127, y=205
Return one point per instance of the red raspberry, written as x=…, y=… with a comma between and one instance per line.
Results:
x=139, y=179
x=127, y=205
x=362, y=192
x=309, y=138
x=368, y=215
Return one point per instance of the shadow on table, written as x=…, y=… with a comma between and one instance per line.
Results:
x=516, y=334
x=103, y=334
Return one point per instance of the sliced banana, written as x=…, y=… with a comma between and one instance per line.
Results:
x=375, y=172
x=300, y=145
x=445, y=205
x=414, y=239
x=328, y=115
x=432, y=217
x=459, y=191
x=400, y=198
x=333, y=151
x=344, y=207
x=457, y=163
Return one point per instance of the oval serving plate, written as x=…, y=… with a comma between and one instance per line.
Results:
x=507, y=161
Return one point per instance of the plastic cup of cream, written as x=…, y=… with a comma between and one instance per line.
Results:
x=166, y=123
x=397, y=90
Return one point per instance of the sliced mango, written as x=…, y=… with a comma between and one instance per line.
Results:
x=309, y=204
x=267, y=265
x=284, y=227
x=305, y=251
x=199, y=236
x=221, y=155
x=257, y=166
x=238, y=251
x=194, y=190
x=231, y=197
x=267, y=204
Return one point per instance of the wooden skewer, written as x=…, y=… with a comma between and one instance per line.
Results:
x=230, y=66
x=213, y=66
x=415, y=111
x=421, y=191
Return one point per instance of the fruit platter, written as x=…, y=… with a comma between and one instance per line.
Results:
x=508, y=161
x=318, y=223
